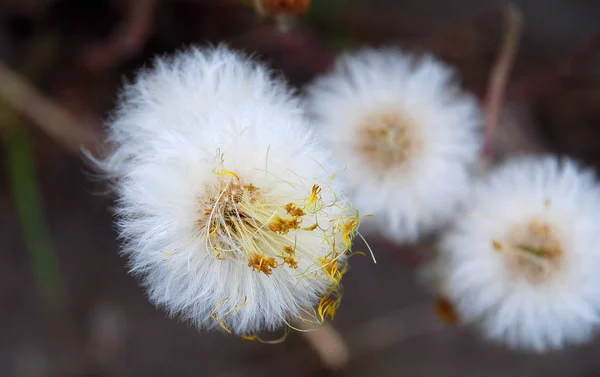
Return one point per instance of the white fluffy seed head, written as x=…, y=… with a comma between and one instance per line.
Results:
x=224, y=199
x=524, y=263
x=406, y=132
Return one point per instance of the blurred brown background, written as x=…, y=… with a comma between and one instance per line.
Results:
x=67, y=306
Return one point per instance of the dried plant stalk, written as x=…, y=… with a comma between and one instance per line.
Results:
x=496, y=89
x=49, y=116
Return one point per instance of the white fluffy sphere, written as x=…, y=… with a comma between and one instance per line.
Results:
x=524, y=263
x=224, y=199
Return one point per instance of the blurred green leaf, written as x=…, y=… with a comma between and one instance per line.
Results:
x=24, y=188
x=320, y=9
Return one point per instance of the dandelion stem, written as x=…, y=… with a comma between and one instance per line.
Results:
x=496, y=88
x=328, y=343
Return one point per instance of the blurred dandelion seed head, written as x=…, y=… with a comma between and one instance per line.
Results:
x=407, y=133
x=522, y=263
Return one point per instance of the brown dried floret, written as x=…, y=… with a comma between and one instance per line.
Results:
x=262, y=263
x=283, y=226
x=294, y=210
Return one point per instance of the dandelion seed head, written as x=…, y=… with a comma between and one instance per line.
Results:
x=408, y=135
x=522, y=265
x=225, y=201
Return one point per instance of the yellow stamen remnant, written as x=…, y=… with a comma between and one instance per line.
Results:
x=227, y=172
x=311, y=228
x=533, y=250
x=331, y=265
x=315, y=193
x=218, y=319
x=314, y=203
x=262, y=264
x=169, y=256
x=219, y=305
x=328, y=306
x=388, y=139
x=255, y=337
x=348, y=226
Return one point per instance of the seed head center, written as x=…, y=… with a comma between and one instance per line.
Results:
x=533, y=250
x=388, y=139
x=241, y=222
x=227, y=215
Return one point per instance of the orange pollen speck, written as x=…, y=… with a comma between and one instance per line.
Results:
x=446, y=311
x=262, y=264
x=497, y=245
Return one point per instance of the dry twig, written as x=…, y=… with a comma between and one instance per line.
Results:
x=127, y=40
x=49, y=116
